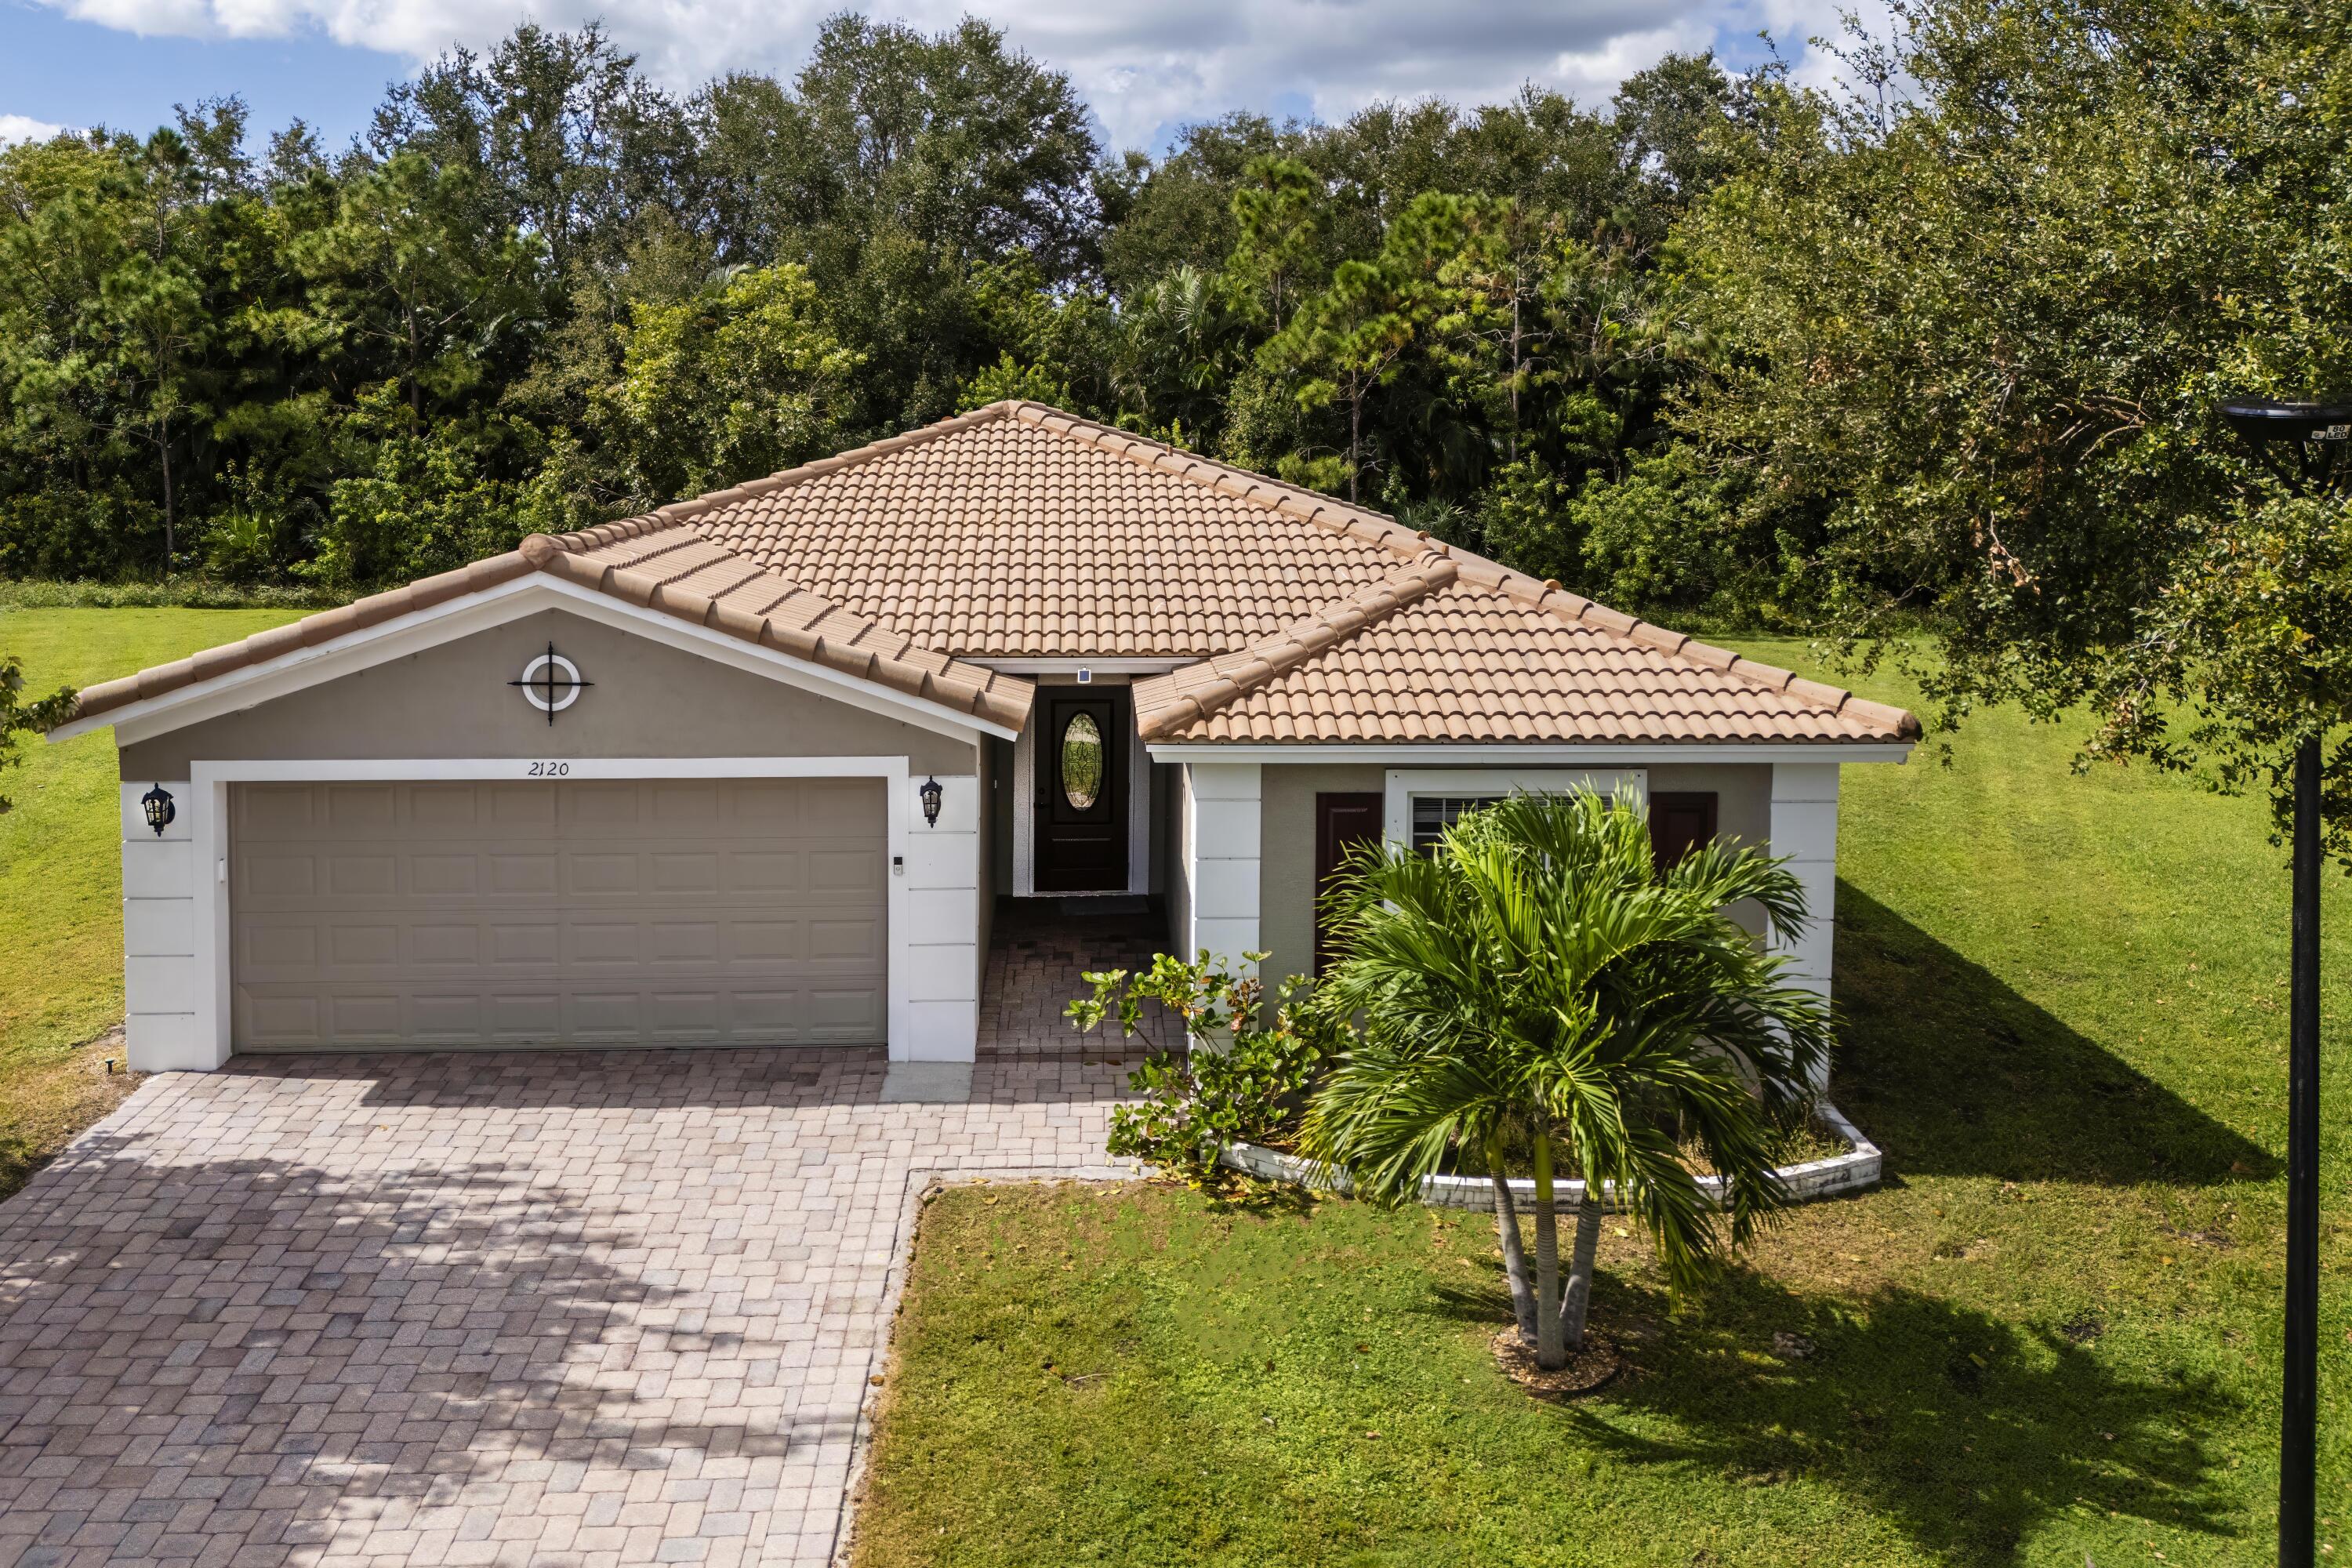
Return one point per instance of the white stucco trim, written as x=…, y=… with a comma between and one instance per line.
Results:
x=1223, y=831
x=1804, y=832
x=1402, y=784
x=1139, y=808
x=470, y=613
x=159, y=929
x=1024, y=812
x=1533, y=756
x=181, y=1015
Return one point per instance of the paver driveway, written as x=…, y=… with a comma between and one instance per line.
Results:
x=595, y=1308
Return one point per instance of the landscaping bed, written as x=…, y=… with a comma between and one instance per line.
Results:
x=1848, y=1163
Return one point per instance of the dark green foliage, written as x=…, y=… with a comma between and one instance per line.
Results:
x=541, y=292
x=1977, y=335
x=1239, y=1077
x=20, y=717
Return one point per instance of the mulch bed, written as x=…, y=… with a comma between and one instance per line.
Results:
x=1588, y=1371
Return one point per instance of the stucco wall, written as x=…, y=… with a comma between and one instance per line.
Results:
x=1744, y=811
x=1287, y=868
x=647, y=700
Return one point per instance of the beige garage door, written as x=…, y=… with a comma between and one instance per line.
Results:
x=573, y=912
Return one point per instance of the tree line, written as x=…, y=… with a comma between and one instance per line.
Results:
x=540, y=292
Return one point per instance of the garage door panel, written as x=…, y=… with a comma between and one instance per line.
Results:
x=278, y=810
x=608, y=943
x=683, y=871
x=445, y=944
x=854, y=941
x=354, y=809
x=352, y=947
x=843, y=870
x=600, y=804
x=437, y=1016
x=368, y=1017
x=522, y=875
x=364, y=875
x=578, y=912
x=592, y=874
x=685, y=803
x=448, y=806
x=525, y=1017
x=443, y=874
x=765, y=871
x=278, y=876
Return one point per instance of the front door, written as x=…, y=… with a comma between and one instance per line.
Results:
x=1082, y=791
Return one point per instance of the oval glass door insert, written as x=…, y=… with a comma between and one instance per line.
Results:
x=1082, y=763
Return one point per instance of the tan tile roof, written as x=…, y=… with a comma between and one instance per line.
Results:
x=651, y=562
x=1460, y=650
x=1020, y=531
x=1017, y=530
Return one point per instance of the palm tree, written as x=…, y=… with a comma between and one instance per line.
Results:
x=1539, y=984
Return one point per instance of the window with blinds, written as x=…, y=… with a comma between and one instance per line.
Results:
x=1434, y=813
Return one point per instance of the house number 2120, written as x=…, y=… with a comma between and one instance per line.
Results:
x=550, y=770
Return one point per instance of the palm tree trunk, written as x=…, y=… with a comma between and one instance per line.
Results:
x=1576, y=1301
x=1549, y=1353
x=1515, y=1252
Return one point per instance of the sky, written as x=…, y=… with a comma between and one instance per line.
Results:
x=1147, y=67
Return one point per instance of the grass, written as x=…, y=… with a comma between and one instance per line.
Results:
x=62, y=875
x=2051, y=1337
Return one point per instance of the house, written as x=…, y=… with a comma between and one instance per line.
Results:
x=757, y=767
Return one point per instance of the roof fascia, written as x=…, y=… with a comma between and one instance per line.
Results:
x=1120, y=665
x=299, y=669
x=1521, y=756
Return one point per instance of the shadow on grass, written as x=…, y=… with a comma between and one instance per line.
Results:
x=1969, y=1433
x=1954, y=1073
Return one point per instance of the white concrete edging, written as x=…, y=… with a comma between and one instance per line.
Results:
x=1858, y=1168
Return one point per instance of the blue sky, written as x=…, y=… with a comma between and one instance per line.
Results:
x=60, y=71
x=1145, y=65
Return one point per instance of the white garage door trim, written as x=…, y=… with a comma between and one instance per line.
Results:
x=932, y=902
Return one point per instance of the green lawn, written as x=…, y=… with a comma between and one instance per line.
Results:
x=61, y=872
x=2052, y=1336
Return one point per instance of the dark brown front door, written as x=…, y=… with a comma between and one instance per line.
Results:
x=1082, y=791
x=1342, y=822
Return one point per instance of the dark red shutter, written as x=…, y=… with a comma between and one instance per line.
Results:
x=1342, y=822
x=1680, y=823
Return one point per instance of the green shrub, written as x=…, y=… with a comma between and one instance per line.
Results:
x=1239, y=1079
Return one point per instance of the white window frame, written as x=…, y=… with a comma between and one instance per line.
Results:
x=1403, y=784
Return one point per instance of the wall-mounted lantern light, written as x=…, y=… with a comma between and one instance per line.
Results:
x=931, y=793
x=157, y=804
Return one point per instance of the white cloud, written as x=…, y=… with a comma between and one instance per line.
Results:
x=25, y=128
x=1143, y=65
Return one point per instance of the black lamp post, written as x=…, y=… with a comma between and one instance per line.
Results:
x=2304, y=444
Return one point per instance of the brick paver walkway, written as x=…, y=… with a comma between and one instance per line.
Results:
x=582, y=1309
x=1037, y=959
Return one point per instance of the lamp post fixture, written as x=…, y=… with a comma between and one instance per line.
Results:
x=2305, y=444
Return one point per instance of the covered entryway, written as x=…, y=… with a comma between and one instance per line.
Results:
x=475, y=912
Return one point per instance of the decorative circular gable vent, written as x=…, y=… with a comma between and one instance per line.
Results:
x=552, y=683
